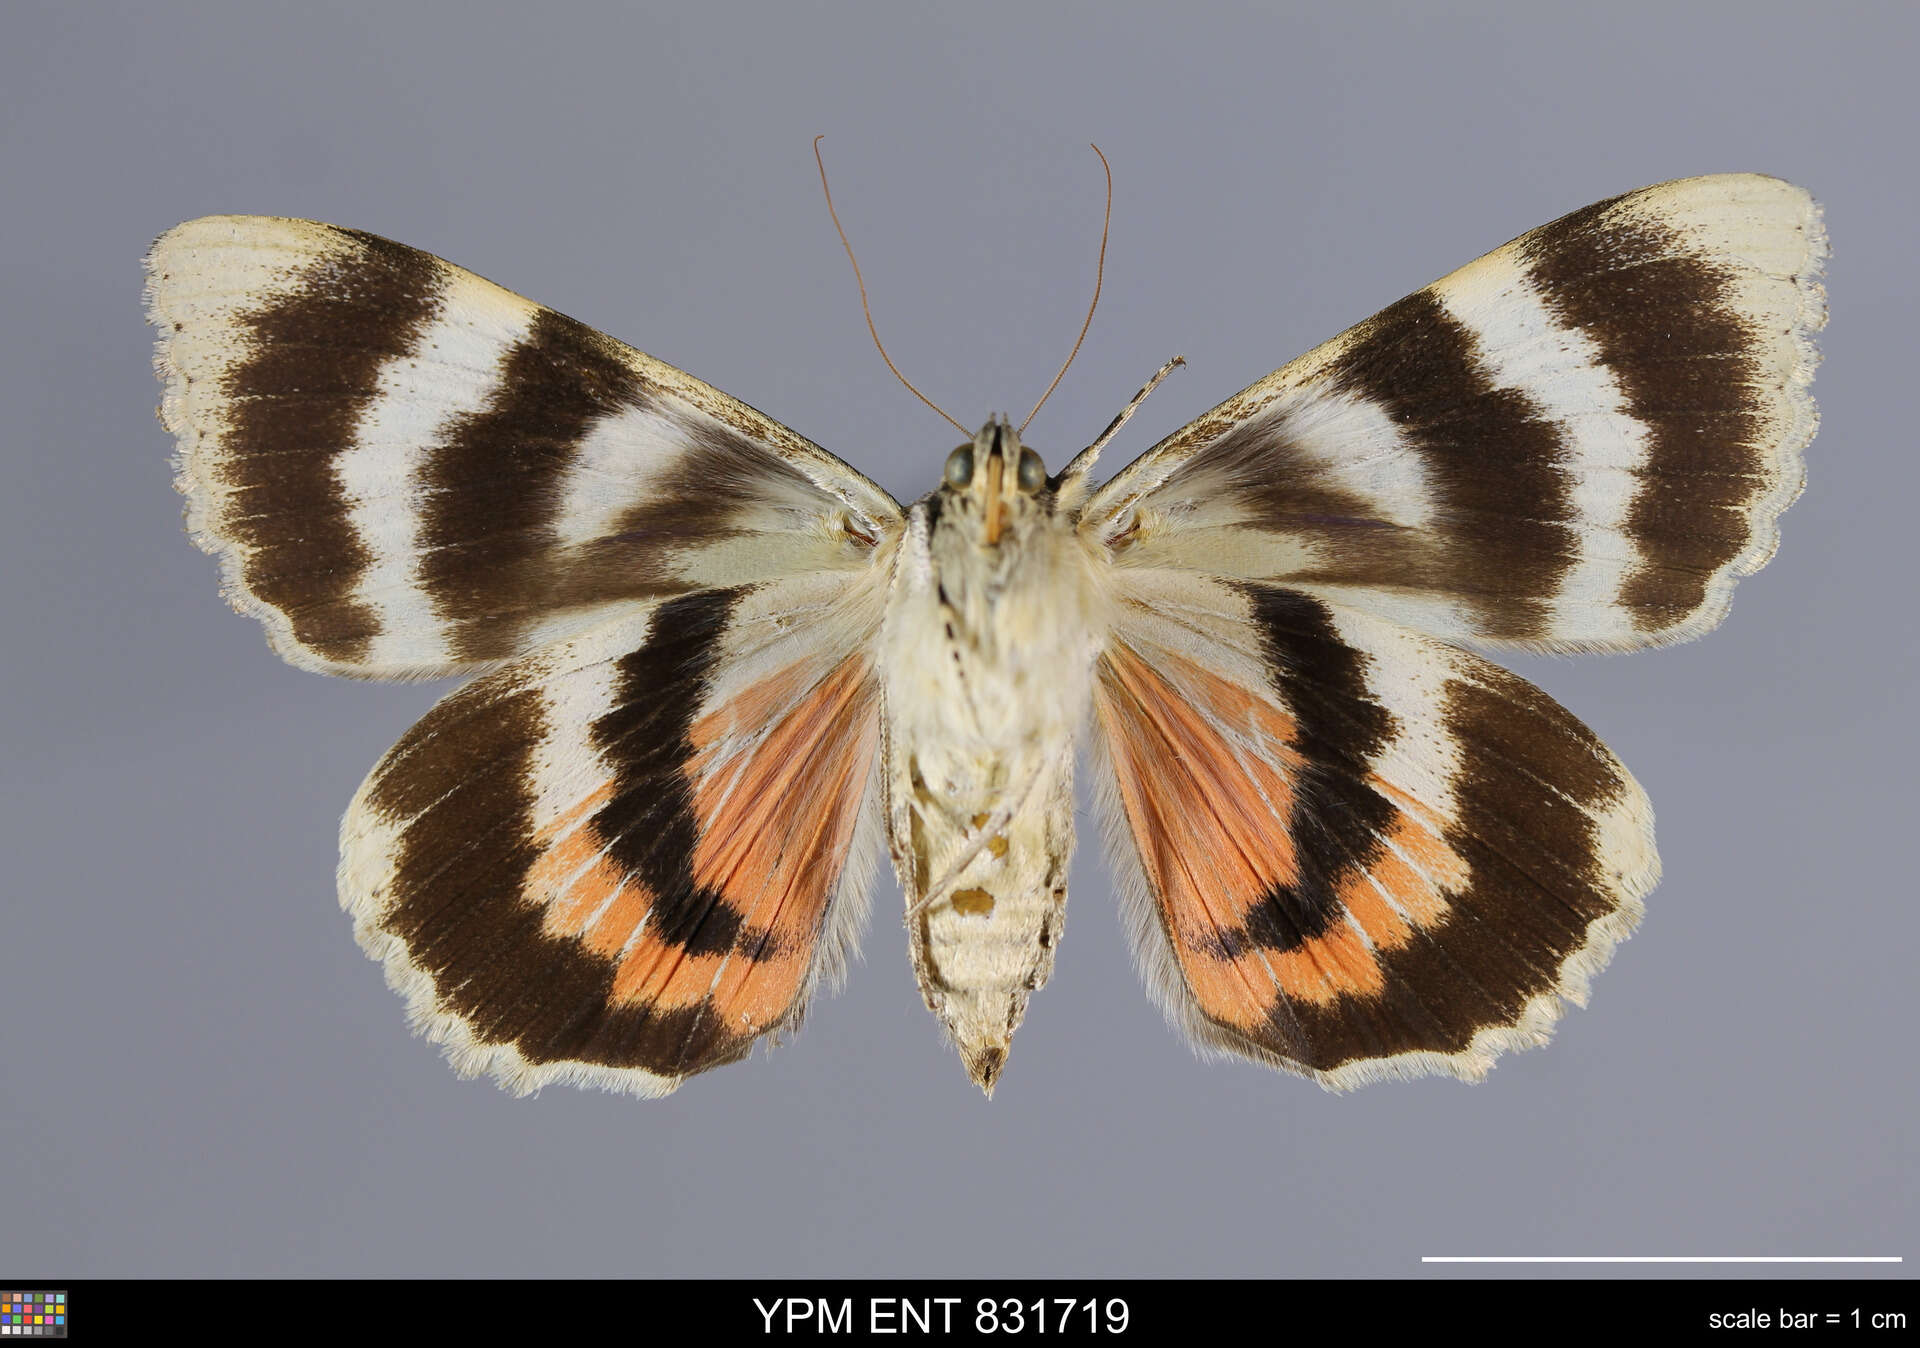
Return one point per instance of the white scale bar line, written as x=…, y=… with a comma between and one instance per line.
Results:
x=1661, y=1259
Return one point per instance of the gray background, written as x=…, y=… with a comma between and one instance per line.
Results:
x=203, y=1075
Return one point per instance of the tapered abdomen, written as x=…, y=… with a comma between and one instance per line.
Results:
x=986, y=878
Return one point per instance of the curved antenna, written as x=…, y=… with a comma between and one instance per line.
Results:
x=862, y=283
x=1099, y=278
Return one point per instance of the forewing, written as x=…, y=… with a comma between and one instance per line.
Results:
x=623, y=859
x=407, y=471
x=1578, y=442
x=1354, y=851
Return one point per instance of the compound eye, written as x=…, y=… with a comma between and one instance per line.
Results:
x=1033, y=473
x=959, y=470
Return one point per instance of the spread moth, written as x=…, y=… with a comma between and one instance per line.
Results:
x=714, y=666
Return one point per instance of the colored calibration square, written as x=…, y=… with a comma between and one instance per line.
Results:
x=33, y=1315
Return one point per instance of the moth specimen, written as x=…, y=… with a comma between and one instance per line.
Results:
x=715, y=666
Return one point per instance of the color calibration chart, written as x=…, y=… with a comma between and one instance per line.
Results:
x=41, y=1315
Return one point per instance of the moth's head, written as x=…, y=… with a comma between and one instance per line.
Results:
x=996, y=486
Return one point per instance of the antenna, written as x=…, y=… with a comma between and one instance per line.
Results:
x=867, y=310
x=1099, y=279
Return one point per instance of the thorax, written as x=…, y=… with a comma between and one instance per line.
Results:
x=987, y=650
